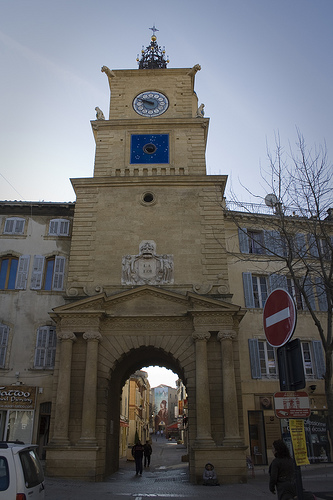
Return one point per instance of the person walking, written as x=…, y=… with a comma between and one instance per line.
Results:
x=137, y=452
x=282, y=472
x=147, y=451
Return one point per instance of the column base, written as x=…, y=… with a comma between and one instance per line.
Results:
x=233, y=441
x=87, y=442
x=206, y=442
x=59, y=442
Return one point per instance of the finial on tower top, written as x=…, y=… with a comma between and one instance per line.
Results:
x=153, y=56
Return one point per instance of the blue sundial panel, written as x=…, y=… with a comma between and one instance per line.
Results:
x=150, y=148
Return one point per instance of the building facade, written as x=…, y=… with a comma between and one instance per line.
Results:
x=147, y=268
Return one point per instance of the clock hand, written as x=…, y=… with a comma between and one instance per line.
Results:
x=147, y=100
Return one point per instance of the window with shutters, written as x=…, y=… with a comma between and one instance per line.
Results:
x=48, y=273
x=255, y=290
x=59, y=227
x=4, y=333
x=307, y=359
x=256, y=242
x=14, y=272
x=45, y=347
x=262, y=359
x=14, y=225
x=267, y=358
x=295, y=294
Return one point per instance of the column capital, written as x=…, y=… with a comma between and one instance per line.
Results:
x=201, y=335
x=67, y=336
x=92, y=336
x=227, y=335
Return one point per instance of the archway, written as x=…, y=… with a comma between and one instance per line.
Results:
x=125, y=366
x=103, y=339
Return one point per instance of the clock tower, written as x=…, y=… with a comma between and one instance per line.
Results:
x=148, y=278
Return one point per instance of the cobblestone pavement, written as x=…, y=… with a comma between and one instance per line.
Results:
x=167, y=478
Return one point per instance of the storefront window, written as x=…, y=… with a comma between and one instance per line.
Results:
x=316, y=435
x=19, y=425
x=257, y=437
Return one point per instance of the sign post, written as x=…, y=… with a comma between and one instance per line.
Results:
x=279, y=317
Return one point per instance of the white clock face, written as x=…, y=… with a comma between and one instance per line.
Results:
x=150, y=103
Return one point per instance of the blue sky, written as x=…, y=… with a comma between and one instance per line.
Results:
x=267, y=66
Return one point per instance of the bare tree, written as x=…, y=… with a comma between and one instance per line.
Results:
x=299, y=236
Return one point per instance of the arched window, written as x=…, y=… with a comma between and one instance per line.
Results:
x=14, y=272
x=48, y=273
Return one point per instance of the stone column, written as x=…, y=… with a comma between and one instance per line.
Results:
x=61, y=420
x=89, y=410
x=230, y=406
x=204, y=436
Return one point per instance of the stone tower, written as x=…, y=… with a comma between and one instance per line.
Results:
x=148, y=278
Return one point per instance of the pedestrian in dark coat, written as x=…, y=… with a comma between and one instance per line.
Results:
x=147, y=451
x=282, y=472
x=137, y=452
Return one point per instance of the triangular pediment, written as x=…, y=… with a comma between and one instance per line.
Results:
x=145, y=301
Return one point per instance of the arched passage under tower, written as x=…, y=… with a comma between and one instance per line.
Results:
x=104, y=339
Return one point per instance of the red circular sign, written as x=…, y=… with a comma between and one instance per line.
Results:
x=279, y=317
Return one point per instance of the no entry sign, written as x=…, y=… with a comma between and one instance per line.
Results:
x=279, y=317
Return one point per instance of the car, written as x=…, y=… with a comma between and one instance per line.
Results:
x=21, y=472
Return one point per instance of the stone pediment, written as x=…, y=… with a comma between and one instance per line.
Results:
x=147, y=301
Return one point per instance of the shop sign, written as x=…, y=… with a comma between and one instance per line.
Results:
x=291, y=404
x=298, y=439
x=16, y=397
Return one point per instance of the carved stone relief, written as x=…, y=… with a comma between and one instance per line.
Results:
x=147, y=268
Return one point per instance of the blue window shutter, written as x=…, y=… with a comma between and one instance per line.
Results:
x=248, y=290
x=319, y=359
x=4, y=331
x=321, y=294
x=269, y=238
x=243, y=240
x=58, y=273
x=22, y=272
x=254, y=358
x=308, y=287
x=300, y=244
x=313, y=249
x=37, y=272
x=277, y=281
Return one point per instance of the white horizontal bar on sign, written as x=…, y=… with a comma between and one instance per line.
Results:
x=277, y=317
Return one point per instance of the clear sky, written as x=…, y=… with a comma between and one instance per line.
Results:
x=267, y=66
x=158, y=375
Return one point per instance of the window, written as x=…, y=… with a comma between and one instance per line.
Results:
x=313, y=358
x=4, y=332
x=45, y=347
x=295, y=294
x=255, y=290
x=267, y=359
x=262, y=359
x=14, y=225
x=261, y=242
x=59, y=227
x=251, y=241
x=307, y=359
x=14, y=272
x=48, y=273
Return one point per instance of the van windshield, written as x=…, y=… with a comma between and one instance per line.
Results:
x=32, y=468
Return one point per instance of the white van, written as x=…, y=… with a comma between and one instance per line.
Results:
x=21, y=473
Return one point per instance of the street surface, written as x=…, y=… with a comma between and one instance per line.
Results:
x=167, y=478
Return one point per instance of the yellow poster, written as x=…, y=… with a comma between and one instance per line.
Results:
x=298, y=439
